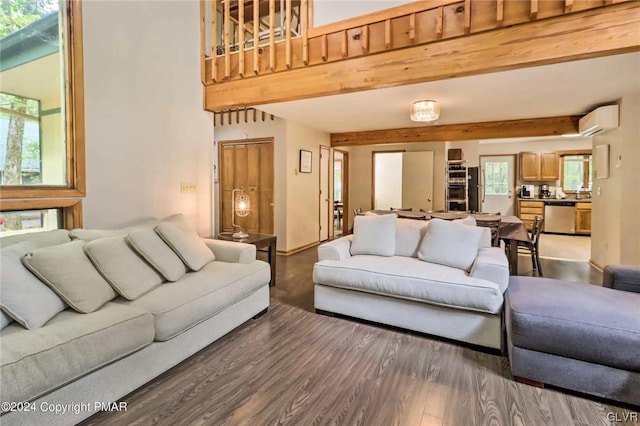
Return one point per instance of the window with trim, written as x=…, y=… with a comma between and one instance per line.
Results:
x=41, y=111
x=576, y=172
x=496, y=177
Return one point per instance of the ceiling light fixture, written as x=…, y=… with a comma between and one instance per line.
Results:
x=425, y=111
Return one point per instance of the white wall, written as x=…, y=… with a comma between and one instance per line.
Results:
x=328, y=11
x=303, y=189
x=296, y=197
x=146, y=131
x=615, y=222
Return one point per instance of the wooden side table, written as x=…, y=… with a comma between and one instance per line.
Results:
x=265, y=243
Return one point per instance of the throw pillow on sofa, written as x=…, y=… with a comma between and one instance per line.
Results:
x=94, y=234
x=122, y=267
x=5, y=320
x=374, y=235
x=23, y=296
x=152, y=248
x=409, y=234
x=450, y=244
x=184, y=241
x=69, y=272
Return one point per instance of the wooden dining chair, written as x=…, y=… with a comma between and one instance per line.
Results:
x=396, y=209
x=531, y=247
x=494, y=225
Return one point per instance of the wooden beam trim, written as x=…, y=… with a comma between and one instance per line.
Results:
x=534, y=10
x=548, y=126
x=611, y=30
x=365, y=39
x=467, y=17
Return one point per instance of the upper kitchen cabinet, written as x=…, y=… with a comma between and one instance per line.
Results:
x=541, y=166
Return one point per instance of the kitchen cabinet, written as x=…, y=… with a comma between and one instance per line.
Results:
x=528, y=210
x=539, y=166
x=583, y=218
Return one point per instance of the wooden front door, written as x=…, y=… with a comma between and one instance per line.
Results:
x=247, y=165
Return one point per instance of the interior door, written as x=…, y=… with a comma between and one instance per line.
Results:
x=325, y=223
x=497, y=177
x=417, y=180
x=247, y=166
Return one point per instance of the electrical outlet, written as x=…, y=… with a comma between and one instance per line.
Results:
x=187, y=187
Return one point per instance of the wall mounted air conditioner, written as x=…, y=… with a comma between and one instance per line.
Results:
x=600, y=120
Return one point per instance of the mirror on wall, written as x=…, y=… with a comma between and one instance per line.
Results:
x=403, y=180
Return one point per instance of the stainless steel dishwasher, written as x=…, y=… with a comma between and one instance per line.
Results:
x=560, y=217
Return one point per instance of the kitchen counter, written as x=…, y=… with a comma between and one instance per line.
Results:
x=553, y=200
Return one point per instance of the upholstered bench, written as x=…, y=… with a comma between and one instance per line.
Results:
x=575, y=336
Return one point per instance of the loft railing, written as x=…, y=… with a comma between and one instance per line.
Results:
x=247, y=38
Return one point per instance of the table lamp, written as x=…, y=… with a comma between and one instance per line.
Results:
x=241, y=208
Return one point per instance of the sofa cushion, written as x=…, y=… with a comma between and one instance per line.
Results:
x=411, y=279
x=186, y=244
x=94, y=234
x=450, y=244
x=150, y=246
x=409, y=234
x=22, y=295
x=69, y=272
x=122, y=267
x=178, y=306
x=39, y=239
x=573, y=320
x=374, y=234
x=34, y=362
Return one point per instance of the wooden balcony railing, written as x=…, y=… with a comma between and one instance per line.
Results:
x=252, y=38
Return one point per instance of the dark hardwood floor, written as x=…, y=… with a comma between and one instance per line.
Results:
x=292, y=366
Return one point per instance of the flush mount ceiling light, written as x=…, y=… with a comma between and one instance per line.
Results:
x=425, y=111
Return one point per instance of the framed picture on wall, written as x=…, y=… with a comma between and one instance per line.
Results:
x=305, y=161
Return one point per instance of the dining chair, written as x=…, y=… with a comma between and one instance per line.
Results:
x=395, y=209
x=531, y=247
x=494, y=225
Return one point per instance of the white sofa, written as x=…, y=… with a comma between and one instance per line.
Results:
x=405, y=291
x=79, y=359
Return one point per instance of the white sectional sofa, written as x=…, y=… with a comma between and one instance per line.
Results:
x=77, y=360
x=404, y=291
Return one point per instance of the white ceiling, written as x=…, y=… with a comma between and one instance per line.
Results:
x=544, y=91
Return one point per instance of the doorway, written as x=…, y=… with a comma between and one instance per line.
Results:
x=247, y=165
x=340, y=193
x=402, y=180
x=497, y=183
x=326, y=227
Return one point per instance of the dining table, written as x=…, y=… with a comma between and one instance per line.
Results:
x=512, y=229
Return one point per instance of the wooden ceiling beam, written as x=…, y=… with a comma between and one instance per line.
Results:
x=533, y=127
x=599, y=32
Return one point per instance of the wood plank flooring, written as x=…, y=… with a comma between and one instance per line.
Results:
x=294, y=367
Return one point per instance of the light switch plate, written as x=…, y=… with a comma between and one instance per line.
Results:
x=187, y=187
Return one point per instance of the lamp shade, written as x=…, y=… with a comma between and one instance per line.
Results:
x=425, y=111
x=241, y=204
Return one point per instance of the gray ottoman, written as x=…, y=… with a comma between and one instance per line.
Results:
x=576, y=336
